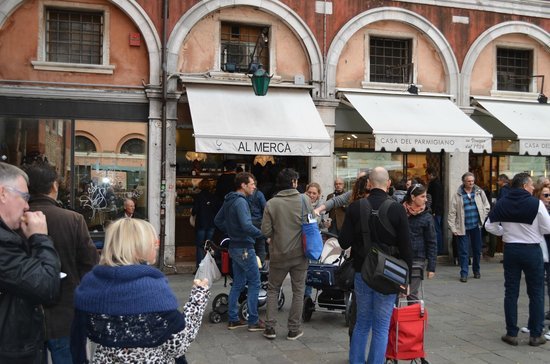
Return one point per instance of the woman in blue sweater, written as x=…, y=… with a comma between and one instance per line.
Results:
x=126, y=306
x=422, y=233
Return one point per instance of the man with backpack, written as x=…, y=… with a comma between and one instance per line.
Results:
x=374, y=309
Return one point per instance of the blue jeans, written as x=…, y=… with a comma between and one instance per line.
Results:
x=201, y=235
x=245, y=272
x=473, y=238
x=438, y=220
x=526, y=258
x=60, y=350
x=374, y=311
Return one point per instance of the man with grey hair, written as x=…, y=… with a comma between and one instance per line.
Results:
x=29, y=271
x=337, y=214
x=467, y=213
x=129, y=210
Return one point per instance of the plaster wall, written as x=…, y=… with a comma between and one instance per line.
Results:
x=131, y=63
x=110, y=136
x=428, y=64
x=200, y=51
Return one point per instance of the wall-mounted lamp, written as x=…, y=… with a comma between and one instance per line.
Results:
x=260, y=81
x=195, y=156
x=407, y=75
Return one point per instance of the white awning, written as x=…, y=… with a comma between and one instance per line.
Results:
x=529, y=121
x=408, y=122
x=232, y=120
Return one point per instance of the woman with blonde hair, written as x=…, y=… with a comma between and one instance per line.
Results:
x=126, y=306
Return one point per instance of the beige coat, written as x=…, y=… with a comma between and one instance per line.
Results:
x=282, y=222
x=455, y=218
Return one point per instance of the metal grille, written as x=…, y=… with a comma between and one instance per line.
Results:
x=390, y=60
x=74, y=37
x=514, y=69
x=237, y=45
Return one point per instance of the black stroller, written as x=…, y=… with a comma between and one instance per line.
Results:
x=220, y=304
x=328, y=296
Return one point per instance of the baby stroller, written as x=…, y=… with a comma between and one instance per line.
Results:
x=328, y=296
x=407, y=328
x=220, y=304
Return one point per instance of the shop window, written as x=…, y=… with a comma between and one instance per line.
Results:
x=133, y=146
x=84, y=145
x=243, y=47
x=390, y=60
x=74, y=39
x=514, y=69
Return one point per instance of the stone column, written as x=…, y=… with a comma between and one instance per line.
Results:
x=456, y=164
x=322, y=168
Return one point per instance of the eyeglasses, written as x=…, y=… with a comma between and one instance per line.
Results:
x=24, y=195
x=546, y=195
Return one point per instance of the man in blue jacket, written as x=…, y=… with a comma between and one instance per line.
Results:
x=234, y=219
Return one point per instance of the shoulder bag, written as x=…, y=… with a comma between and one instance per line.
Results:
x=381, y=271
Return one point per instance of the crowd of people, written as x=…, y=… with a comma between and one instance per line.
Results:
x=57, y=294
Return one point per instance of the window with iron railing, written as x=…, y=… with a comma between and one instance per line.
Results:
x=390, y=60
x=514, y=69
x=74, y=36
x=242, y=44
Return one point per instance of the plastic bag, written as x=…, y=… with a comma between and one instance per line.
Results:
x=208, y=269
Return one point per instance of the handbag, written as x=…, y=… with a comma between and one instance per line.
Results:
x=381, y=271
x=208, y=269
x=311, y=236
x=345, y=275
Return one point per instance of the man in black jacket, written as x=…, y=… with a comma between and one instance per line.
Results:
x=76, y=251
x=29, y=271
x=374, y=309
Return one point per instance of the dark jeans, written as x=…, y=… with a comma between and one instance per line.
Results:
x=526, y=258
x=547, y=278
x=60, y=350
x=438, y=220
x=473, y=238
x=201, y=235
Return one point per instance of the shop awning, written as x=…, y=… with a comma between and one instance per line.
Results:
x=528, y=122
x=232, y=120
x=422, y=123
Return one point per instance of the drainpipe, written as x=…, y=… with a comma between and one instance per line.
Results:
x=164, y=81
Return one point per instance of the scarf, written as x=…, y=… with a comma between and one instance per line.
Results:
x=517, y=206
x=413, y=210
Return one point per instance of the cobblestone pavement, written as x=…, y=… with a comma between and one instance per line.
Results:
x=466, y=321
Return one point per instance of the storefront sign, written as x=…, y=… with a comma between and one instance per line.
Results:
x=421, y=143
x=534, y=147
x=254, y=146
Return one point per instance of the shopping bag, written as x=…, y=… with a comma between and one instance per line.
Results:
x=311, y=240
x=407, y=331
x=208, y=269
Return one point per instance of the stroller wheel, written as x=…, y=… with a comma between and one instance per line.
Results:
x=281, y=299
x=243, y=311
x=215, y=317
x=220, y=303
x=308, y=309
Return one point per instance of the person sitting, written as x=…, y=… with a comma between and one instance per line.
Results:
x=126, y=306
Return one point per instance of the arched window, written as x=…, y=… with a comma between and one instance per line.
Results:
x=83, y=144
x=133, y=146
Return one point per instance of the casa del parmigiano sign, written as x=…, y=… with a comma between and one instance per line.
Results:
x=422, y=143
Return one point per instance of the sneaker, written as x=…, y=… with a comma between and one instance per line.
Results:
x=259, y=326
x=232, y=325
x=293, y=335
x=510, y=340
x=525, y=330
x=269, y=333
x=547, y=335
x=464, y=279
x=477, y=275
x=537, y=341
